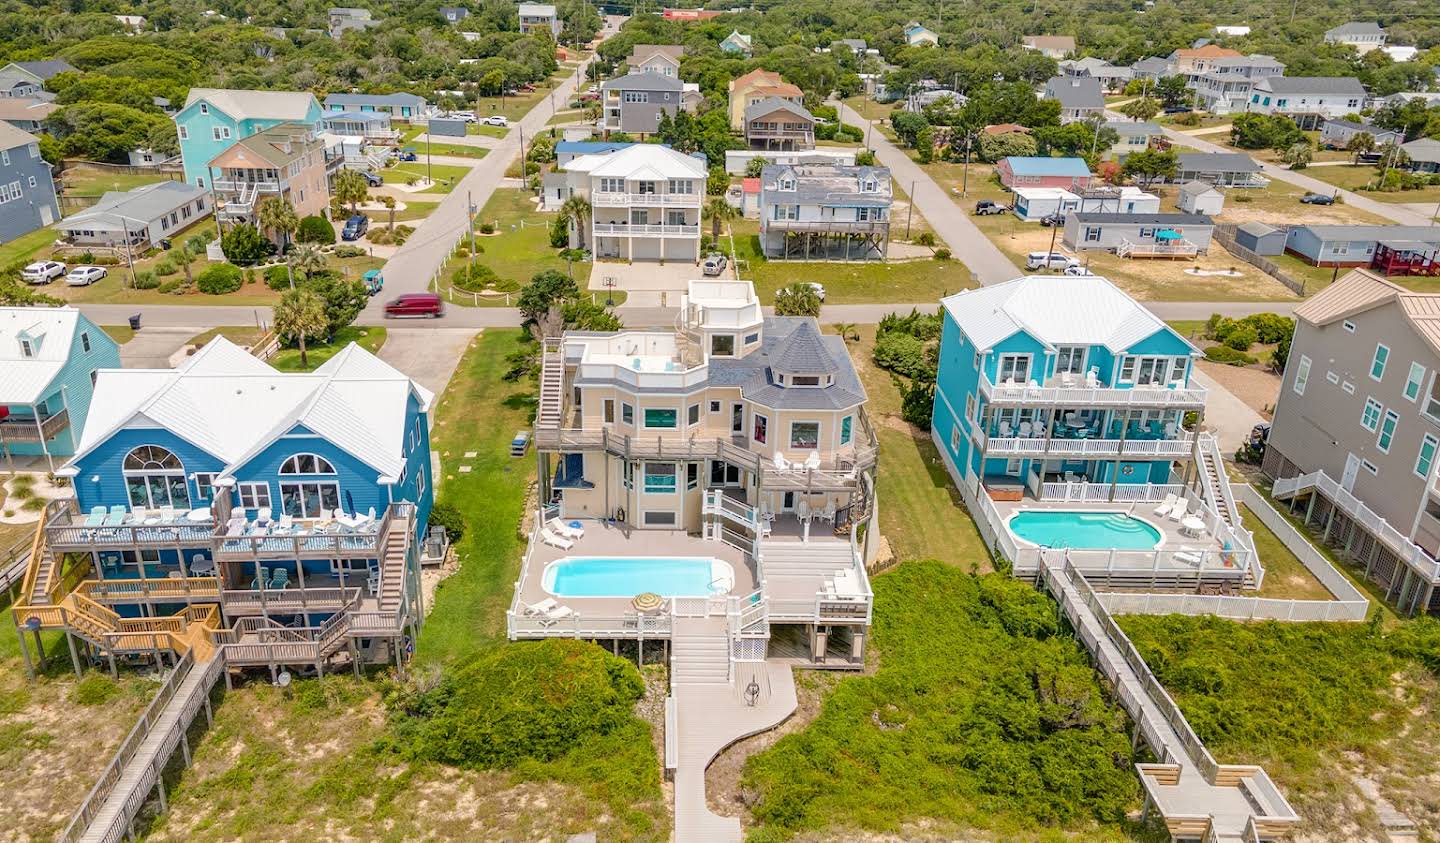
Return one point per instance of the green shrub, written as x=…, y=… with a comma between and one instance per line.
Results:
x=219, y=279
x=942, y=254
x=560, y=232
x=174, y=285
x=244, y=245
x=1241, y=337
x=95, y=689
x=277, y=277
x=166, y=267
x=315, y=229
x=146, y=279
x=345, y=250
x=904, y=355
x=448, y=515
x=1229, y=356
x=487, y=228
x=918, y=405
x=1270, y=327
x=825, y=131
x=524, y=702
x=473, y=278
x=854, y=134
x=506, y=285
x=924, y=326
x=925, y=238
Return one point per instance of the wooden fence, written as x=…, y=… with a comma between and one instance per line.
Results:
x=1225, y=236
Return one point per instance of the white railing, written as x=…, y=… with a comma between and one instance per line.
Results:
x=647, y=230
x=717, y=503
x=1408, y=552
x=1313, y=560
x=672, y=732
x=1181, y=248
x=684, y=200
x=1191, y=397
x=1087, y=448
x=1234, y=608
x=1084, y=491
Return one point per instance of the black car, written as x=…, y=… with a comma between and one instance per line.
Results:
x=1317, y=199
x=1053, y=220
x=355, y=227
x=986, y=207
x=1179, y=109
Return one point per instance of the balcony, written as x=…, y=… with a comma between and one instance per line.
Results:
x=643, y=200
x=823, y=226
x=32, y=429
x=69, y=531
x=1172, y=249
x=624, y=230
x=1057, y=392
x=1179, y=447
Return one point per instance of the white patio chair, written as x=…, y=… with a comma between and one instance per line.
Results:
x=139, y=514
x=1182, y=507
x=1025, y=430
x=1170, y=430
x=1005, y=429
x=563, y=528
x=812, y=462
x=263, y=514
x=1092, y=378
x=1165, y=505
x=555, y=615
x=1191, y=556
x=781, y=464
x=555, y=541
x=167, y=513
x=536, y=609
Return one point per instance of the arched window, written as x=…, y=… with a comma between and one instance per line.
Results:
x=154, y=477
x=307, y=464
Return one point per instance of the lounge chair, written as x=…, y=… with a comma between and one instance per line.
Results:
x=139, y=513
x=1165, y=505
x=555, y=541
x=96, y=516
x=262, y=515
x=1092, y=378
x=261, y=581
x=1191, y=556
x=116, y=516
x=1182, y=507
x=281, y=578
x=541, y=608
x=556, y=615
x=167, y=513
x=1005, y=429
x=562, y=528
x=781, y=464
x=287, y=523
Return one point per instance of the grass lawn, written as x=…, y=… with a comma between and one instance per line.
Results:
x=515, y=107
x=519, y=248
x=921, y=513
x=959, y=728
x=121, y=334
x=869, y=109
x=1350, y=177
x=446, y=176
x=439, y=148
x=1207, y=121
x=414, y=210
x=1285, y=576
x=94, y=181
x=849, y=283
x=369, y=338
x=1319, y=705
x=239, y=334
x=25, y=247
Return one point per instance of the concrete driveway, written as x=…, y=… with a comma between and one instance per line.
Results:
x=151, y=348
x=1230, y=418
x=429, y=355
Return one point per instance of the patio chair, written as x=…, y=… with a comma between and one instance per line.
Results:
x=262, y=515
x=281, y=578
x=1182, y=507
x=139, y=513
x=812, y=462
x=1171, y=430
x=287, y=523
x=546, y=605
x=556, y=615
x=828, y=512
x=259, y=582
x=1092, y=378
x=1191, y=556
x=116, y=516
x=1005, y=429
x=561, y=528
x=555, y=541
x=96, y=516
x=1165, y=505
x=1025, y=430
x=167, y=513
x=1067, y=380
x=781, y=464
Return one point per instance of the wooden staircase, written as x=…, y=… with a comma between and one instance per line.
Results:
x=1210, y=469
x=699, y=653
x=552, y=384
x=394, y=549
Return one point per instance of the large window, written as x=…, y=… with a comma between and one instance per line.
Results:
x=254, y=495
x=1370, y=416
x=1377, y=365
x=1151, y=371
x=660, y=418
x=1414, y=381
x=307, y=464
x=309, y=498
x=1427, y=455
x=1070, y=360
x=1014, y=368
x=659, y=478
x=154, y=477
x=1387, y=431
x=845, y=433
x=1302, y=375
x=805, y=435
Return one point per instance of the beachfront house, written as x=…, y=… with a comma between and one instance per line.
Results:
x=398, y=106
x=728, y=467
x=634, y=102
x=1060, y=412
x=758, y=86
x=213, y=119
x=540, y=17
x=1357, y=245
x=663, y=59
x=26, y=79
x=221, y=501
x=917, y=35
x=50, y=356
x=1050, y=46
x=1308, y=100
x=1226, y=169
x=1036, y=203
x=1424, y=155
x=825, y=211
x=776, y=123
x=26, y=113
x=1337, y=133
x=1364, y=36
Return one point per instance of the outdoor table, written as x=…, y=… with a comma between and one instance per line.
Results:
x=1192, y=525
x=204, y=567
x=198, y=515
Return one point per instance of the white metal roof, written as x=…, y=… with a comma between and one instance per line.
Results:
x=23, y=380
x=643, y=160
x=1054, y=309
x=233, y=405
x=241, y=104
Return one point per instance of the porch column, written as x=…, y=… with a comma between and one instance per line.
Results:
x=1124, y=429
x=24, y=649
x=40, y=432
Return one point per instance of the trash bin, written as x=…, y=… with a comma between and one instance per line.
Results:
x=135, y=322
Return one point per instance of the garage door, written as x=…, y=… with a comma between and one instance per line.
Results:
x=645, y=248
x=680, y=250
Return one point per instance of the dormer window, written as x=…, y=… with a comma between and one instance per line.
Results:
x=868, y=186
x=787, y=183
x=26, y=349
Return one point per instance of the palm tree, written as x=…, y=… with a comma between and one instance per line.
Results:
x=1141, y=108
x=847, y=331
x=1360, y=144
x=798, y=299
x=1298, y=155
x=719, y=211
x=389, y=203
x=276, y=214
x=307, y=260
x=578, y=209
x=300, y=315
x=351, y=188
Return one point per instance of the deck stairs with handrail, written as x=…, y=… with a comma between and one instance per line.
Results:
x=552, y=384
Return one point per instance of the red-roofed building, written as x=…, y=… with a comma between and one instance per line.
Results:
x=1005, y=129
x=750, y=198
x=690, y=14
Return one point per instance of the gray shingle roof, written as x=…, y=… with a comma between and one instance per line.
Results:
x=374, y=99
x=1427, y=233
x=45, y=69
x=1075, y=91
x=1195, y=188
x=1368, y=27
x=1258, y=229
x=769, y=104
x=755, y=377
x=142, y=203
x=1126, y=129
x=1218, y=162
x=803, y=352
x=1423, y=149
x=827, y=183
x=643, y=82
x=1346, y=85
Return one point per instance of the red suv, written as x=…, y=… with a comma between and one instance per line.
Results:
x=416, y=304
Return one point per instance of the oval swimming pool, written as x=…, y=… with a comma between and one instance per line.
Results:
x=601, y=576
x=1084, y=530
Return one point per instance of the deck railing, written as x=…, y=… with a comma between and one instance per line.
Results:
x=645, y=230
x=1398, y=543
x=29, y=429
x=998, y=446
x=685, y=200
x=1151, y=395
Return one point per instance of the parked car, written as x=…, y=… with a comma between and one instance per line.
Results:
x=1053, y=220
x=1049, y=260
x=373, y=179
x=42, y=272
x=82, y=276
x=714, y=264
x=1179, y=109
x=467, y=116
x=407, y=154
x=1076, y=269
x=986, y=207
x=1317, y=199
x=374, y=281
x=355, y=227
x=415, y=305
x=496, y=120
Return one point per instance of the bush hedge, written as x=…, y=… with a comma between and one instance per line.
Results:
x=174, y=285
x=146, y=279
x=473, y=278
x=903, y=354
x=1229, y=356
x=347, y=251
x=277, y=277
x=448, y=515
x=315, y=229
x=219, y=279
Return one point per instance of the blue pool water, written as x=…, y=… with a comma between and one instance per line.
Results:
x=1084, y=530
x=596, y=576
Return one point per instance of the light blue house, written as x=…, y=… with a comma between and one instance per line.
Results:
x=398, y=106
x=737, y=42
x=48, y=360
x=289, y=496
x=214, y=119
x=1062, y=378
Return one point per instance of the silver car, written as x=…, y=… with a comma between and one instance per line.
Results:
x=82, y=276
x=714, y=264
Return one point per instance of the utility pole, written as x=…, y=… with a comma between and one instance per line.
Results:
x=965, y=179
x=470, y=223
x=910, y=210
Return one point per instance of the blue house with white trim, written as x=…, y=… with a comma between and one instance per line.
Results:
x=214, y=119
x=48, y=360
x=293, y=500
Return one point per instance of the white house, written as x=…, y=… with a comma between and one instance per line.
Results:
x=143, y=216
x=645, y=202
x=1036, y=203
x=540, y=17
x=1309, y=100
x=1198, y=197
x=1364, y=36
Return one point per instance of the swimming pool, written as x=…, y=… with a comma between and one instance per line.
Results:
x=1084, y=530
x=603, y=576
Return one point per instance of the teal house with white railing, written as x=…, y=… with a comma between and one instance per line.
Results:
x=213, y=119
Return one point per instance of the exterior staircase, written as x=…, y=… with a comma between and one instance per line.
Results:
x=699, y=652
x=816, y=557
x=1217, y=485
x=394, y=549
x=552, y=384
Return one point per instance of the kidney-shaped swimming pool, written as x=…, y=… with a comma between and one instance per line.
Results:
x=601, y=576
x=1084, y=530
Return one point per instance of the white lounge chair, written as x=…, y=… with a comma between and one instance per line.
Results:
x=1179, y=511
x=1092, y=378
x=1191, y=556
x=167, y=514
x=1165, y=505
x=562, y=528
x=541, y=608
x=555, y=615
x=555, y=541
x=138, y=514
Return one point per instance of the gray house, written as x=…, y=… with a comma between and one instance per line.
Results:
x=26, y=78
x=825, y=211
x=1229, y=169
x=1336, y=133
x=143, y=216
x=1424, y=155
x=398, y=106
x=27, y=189
x=1261, y=239
x=634, y=102
x=1140, y=235
x=1080, y=97
x=454, y=14
x=25, y=113
x=1356, y=245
